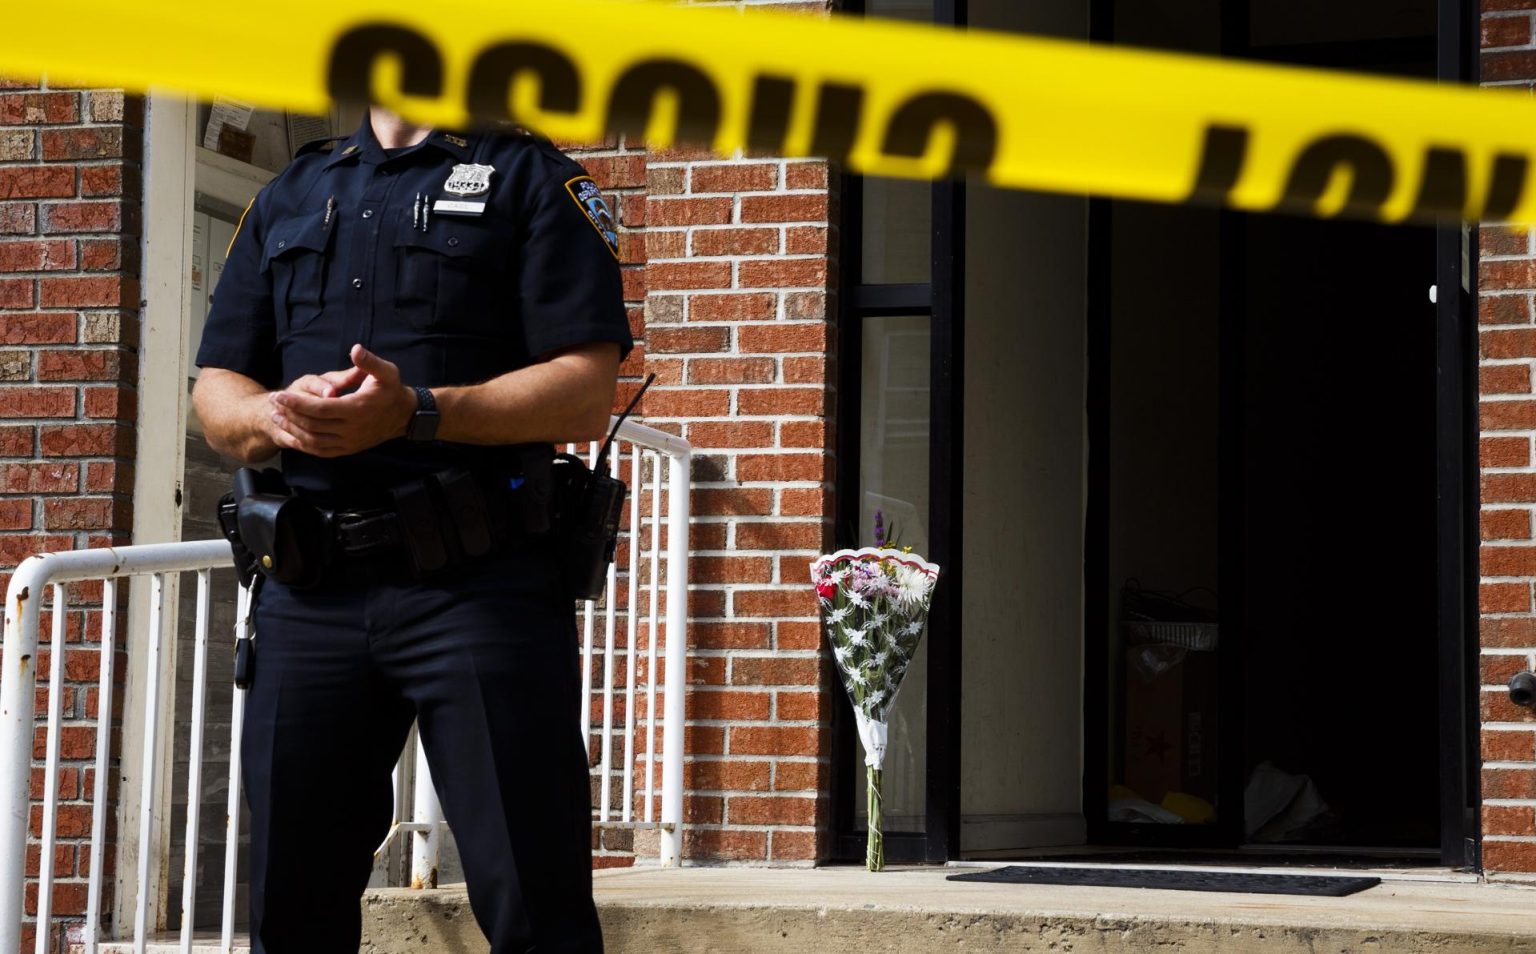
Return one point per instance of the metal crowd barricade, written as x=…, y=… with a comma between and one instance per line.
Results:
x=53, y=573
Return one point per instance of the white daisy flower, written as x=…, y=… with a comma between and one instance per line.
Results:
x=914, y=586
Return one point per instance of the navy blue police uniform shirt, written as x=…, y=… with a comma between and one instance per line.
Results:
x=351, y=244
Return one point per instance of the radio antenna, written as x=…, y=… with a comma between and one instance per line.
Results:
x=601, y=465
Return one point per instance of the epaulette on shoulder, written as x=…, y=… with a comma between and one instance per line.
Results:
x=319, y=145
x=549, y=147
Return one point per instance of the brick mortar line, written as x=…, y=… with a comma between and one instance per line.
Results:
x=747, y=827
x=812, y=192
x=753, y=257
x=731, y=723
x=744, y=386
x=738, y=758
x=726, y=226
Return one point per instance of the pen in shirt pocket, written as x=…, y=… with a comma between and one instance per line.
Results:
x=330, y=209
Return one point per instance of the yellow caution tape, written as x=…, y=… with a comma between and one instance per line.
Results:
x=885, y=98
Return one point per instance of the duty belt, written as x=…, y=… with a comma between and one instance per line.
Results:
x=433, y=523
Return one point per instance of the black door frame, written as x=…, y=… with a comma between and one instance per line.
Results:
x=1457, y=503
x=1456, y=53
x=942, y=298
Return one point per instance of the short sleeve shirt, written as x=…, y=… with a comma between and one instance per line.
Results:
x=459, y=259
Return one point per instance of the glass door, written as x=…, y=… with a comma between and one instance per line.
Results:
x=898, y=455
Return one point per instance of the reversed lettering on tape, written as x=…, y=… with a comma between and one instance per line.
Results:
x=1443, y=188
x=643, y=87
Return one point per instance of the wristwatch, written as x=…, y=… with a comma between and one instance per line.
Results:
x=423, y=423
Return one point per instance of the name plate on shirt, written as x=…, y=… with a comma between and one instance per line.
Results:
x=458, y=207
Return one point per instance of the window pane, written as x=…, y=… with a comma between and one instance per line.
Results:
x=897, y=231
x=901, y=9
x=893, y=479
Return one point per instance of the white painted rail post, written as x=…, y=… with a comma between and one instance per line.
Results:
x=680, y=463
x=427, y=816
x=18, y=683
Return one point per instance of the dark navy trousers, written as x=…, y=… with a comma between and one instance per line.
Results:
x=486, y=660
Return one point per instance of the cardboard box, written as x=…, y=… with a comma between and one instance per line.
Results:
x=1170, y=727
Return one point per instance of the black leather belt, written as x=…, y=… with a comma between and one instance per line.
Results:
x=364, y=533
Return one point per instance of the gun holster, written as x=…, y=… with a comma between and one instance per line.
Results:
x=273, y=531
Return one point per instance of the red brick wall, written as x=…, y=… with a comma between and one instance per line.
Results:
x=1507, y=281
x=737, y=319
x=70, y=209
x=730, y=258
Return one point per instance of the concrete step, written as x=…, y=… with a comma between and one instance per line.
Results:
x=914, y=910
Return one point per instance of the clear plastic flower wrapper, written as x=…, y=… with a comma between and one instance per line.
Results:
x=874, y=607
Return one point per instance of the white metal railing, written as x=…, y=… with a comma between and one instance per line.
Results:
x=644, y=445
x=54, y=572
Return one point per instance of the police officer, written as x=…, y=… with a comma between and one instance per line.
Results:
x=396, y=303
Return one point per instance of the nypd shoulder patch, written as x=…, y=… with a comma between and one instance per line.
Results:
x=590, y=200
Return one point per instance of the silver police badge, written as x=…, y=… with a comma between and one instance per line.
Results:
x=469, y=179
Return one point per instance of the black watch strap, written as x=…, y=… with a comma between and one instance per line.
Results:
x=423, y=423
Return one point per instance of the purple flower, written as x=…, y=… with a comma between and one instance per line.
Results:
x=879, y=528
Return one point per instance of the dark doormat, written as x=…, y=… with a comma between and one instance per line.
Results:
x=1328, y=886
x=1236, y=859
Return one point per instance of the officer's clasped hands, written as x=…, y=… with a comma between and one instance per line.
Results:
x=342, y=412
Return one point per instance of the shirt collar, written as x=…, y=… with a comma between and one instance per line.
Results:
x=363, y=145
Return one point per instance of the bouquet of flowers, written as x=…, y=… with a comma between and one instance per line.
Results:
x=874, y=605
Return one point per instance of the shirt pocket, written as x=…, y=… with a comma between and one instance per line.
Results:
x=451, y=277
x=295, y=256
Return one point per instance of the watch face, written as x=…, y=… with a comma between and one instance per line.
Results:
x=423, y=426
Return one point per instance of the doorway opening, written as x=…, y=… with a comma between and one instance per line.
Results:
x=1267, y=548
x=1207, y=474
